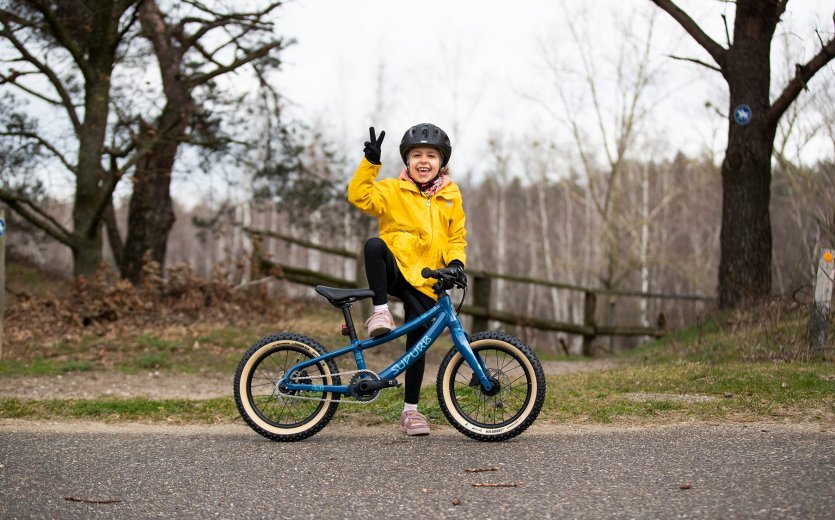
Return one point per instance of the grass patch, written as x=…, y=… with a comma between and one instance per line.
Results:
x=152, y=361
x=175, y=349
x=147, y=341
x=43, y=367
x=758, y=391
x=550, y=356
x=179, y=411
x=769, y=332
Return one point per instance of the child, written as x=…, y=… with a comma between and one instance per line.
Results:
x=421, y=221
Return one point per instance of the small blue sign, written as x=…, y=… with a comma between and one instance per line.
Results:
x=2, y=227
x=742, y=115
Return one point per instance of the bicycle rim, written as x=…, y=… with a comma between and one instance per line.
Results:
x=277, y=415
x=492, y=417
x=502, y=409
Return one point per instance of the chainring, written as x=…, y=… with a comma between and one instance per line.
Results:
x=363, y=375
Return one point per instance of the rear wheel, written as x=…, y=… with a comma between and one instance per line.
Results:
x=497, y=415
x=283, y=415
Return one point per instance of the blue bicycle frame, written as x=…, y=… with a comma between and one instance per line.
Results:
x=441, y=316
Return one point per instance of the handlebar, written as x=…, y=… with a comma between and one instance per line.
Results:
x=448, y=277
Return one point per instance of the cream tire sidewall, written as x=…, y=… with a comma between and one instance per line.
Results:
x=446, y=389
x=254, y=416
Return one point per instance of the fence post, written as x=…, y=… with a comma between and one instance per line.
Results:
x=255, y=271
x=481, y=299
x=819, y=319
x=589, y=309
x=2, y=275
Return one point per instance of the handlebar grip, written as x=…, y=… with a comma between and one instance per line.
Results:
x=428, y=273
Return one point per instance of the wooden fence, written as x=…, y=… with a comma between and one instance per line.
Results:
x=481, y=284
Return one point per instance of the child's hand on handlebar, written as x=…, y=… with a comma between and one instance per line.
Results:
x=457, y=266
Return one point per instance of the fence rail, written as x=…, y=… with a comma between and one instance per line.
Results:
x=481, y=283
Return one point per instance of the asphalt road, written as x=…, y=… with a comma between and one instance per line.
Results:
x=684, y=471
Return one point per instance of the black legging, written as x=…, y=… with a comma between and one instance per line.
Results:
x=384, y=277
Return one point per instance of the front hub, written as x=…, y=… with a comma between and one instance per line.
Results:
x=495, y=387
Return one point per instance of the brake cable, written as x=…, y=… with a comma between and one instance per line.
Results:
x=458, y=310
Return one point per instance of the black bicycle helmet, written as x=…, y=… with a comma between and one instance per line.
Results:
x=426, y=134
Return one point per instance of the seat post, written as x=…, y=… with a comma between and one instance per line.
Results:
x=349, y=321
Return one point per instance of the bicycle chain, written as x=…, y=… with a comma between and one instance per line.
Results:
x=279, y=393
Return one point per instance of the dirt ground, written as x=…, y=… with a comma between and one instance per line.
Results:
x=164, y=385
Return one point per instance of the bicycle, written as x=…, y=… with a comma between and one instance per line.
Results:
x=490, y=385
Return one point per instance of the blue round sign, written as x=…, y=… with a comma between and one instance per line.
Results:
x=2, y=227
x=742, y=115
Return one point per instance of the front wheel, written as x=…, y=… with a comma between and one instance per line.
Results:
x=277, y=415
x=504, y=414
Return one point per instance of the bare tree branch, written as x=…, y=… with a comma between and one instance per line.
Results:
x=46, y=144
x=243, y=60
x=53, y=78
x=8, y=16
x=203, y=52
x=12, y=79
x=117, y=173
x=220, y=20
x=716, y=51
x=803, y=73
x=29, y=210
x=122, y=33
x=727, y=32
x=60, y=33
x=697, y=61
x=114, y=237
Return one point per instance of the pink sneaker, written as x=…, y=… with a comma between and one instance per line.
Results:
x=413, y=423
x=379, y=323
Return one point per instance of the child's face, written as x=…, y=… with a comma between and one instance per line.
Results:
x=424, y=163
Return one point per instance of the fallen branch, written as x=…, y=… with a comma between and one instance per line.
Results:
x=479, y=470
x=250, y=283
x=91, y=501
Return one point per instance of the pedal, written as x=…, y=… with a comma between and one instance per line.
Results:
x=345, y=330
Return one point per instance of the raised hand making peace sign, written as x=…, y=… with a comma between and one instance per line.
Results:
x=373, y=148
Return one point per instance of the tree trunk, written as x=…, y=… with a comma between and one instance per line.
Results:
x=151, y=213
x=745, y=240
x=90, y=181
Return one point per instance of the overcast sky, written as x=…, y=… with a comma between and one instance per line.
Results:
x=476, y=67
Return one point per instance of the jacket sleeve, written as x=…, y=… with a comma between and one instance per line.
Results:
x=457, y=244
x=364, y=192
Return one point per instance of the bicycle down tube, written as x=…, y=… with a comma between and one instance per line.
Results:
x=444, y=317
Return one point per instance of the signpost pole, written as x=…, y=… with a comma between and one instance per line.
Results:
x=2, y=275
x=818, y=335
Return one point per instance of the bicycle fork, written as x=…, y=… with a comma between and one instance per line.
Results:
x=489, y=384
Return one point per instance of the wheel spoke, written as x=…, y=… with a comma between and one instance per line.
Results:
x=284, y=410
x=514, y=388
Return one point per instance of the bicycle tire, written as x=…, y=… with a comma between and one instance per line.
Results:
x=506, y=414
x=274, y=416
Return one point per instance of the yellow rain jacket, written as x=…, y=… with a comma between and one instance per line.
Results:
x=419, y=231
